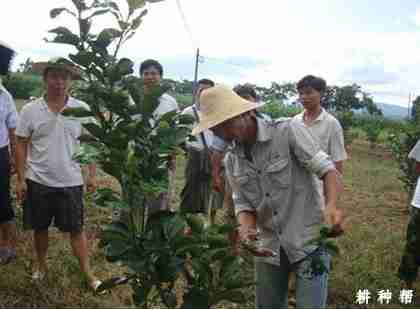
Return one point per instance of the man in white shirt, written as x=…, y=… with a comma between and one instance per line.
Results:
x=410, y=261
x=8, y=122
x=325, y=128
x=49, y=181
x=151, y=71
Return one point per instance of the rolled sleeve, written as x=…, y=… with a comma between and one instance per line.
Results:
x=308, y=151
x=241, y=204
x=12, y=117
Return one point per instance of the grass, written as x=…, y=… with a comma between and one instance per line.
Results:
x=374, y=203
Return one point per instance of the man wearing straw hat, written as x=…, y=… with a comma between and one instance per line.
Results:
x=8, y=122
x=270, y=169
x=49, y=179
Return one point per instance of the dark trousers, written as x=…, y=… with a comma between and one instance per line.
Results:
x=6, y=210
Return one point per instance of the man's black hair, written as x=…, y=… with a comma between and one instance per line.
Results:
x=245, y=90
x=312, y=81
x=6, y=56
x=206, y=82
x=151, y=63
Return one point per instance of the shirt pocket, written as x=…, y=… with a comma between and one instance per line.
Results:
x=248, y=187
x=279, y=173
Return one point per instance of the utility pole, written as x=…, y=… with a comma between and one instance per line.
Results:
x=408, y=107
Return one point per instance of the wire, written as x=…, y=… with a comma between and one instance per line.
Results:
x=186, y=26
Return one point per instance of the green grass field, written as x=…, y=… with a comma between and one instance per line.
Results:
x=376, y=209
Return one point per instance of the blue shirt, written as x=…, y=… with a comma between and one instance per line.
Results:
x=8, y=115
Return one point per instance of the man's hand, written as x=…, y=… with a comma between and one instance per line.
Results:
x=91, y=184
x=248, y=238
x=217, y=183
x=334, y=218
x=21, y=189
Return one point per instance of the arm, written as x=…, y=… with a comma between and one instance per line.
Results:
x=21, y=155
x=216, y=158
x=317, y=162
x=12, y=138
x=339, y=166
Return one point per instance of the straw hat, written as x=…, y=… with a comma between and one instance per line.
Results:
x=57, y=63
x=6, y=55
x=219, y=104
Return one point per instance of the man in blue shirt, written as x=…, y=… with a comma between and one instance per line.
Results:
x=8, y=122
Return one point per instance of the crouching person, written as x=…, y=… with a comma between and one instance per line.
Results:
x=270, y=168
x=49, y=181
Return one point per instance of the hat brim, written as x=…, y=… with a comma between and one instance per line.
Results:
x=206, y=124
x=40, y=67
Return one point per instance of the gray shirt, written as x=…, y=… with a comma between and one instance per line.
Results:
x=278, y=185
x=53, y=142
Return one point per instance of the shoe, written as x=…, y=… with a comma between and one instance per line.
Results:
x=38, y=275
x=94, y=286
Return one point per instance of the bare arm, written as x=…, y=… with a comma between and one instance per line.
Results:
x=339, y=166
x=21, y=155
x=12, y=139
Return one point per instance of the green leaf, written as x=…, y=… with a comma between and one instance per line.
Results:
x=233, y=296
x=123, y=24
x=196, y=298
x=98, y=12
x=80, y=4
x=85, y=25
x=65, y=36
x=95, y=130
x=137, y=21
x=195, y=222
x=135, y=4
x=106, y=37
x=114, y=6
x=83, y=58
x=57, y=11
x=76, y=112
x=87, y=154
x=115, y=249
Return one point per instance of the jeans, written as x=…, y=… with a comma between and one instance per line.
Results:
x=311, y=287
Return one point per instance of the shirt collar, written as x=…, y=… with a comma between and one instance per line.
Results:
x=319, y=118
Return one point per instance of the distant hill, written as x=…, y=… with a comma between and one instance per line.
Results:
x=393, y=111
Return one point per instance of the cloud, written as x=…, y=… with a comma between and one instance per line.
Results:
x=417, y=17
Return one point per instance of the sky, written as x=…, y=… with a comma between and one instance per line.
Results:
x=375, y=44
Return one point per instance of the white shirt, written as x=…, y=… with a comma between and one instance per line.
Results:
x=167, y=103
x=415, y=154
x=326, y=129
x=329, y=134
x=53, y=142
x=8, y=116
x=198, y=143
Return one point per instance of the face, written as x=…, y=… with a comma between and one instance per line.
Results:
x=310, y=97
x=58, y=82
x=151, y=76
x=234, y=129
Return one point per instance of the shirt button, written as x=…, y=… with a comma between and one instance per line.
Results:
x=267, y=194
x=275, y=213
x=259, y=171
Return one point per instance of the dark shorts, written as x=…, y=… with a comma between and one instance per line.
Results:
x=6, y=210
x=44, y=203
